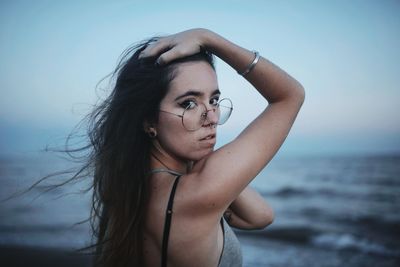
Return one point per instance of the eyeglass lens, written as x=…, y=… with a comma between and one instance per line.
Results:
x=195, y=116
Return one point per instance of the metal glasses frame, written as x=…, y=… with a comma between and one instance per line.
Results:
x=204, y=115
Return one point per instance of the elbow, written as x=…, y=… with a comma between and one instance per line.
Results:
x=302, y=94
x=294, y=95
x=264, y=219
x=299, y=94
x=268, y=218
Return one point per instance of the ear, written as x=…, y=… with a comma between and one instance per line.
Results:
x=148, y=126
x=150, y=129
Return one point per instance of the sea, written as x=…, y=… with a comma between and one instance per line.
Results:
x=341, y=210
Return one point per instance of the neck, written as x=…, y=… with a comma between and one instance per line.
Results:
x=160, y=159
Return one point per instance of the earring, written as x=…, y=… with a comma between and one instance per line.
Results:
x=152, y=133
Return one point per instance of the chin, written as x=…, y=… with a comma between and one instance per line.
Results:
x=202, y=154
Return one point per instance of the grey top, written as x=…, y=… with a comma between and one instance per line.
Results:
x=231, y=252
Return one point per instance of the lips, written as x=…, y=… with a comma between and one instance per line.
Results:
x=208, y=137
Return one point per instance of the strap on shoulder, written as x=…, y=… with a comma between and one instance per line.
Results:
x=167, y=224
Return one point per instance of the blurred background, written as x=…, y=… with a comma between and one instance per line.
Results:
x=334, y=185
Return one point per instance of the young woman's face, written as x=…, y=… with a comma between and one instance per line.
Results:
x=195, y=85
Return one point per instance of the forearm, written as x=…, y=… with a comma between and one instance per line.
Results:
x=271, y=81
x=249, y=211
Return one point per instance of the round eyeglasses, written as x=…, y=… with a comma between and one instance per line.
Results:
x=194, y=116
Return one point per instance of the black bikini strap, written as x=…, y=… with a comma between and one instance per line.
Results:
x=167, y=224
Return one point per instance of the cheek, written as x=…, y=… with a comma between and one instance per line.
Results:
x=173, y=138
x=178, y=142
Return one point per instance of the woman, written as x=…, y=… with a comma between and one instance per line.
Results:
x=160, y=189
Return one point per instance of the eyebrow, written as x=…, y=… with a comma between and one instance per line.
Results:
x=196, y=93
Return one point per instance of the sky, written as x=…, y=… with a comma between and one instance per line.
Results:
x=345, y=53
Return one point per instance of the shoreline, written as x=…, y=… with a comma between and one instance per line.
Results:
x=18, y=256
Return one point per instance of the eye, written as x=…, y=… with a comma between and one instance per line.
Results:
x=188, y=104
x=214, y=101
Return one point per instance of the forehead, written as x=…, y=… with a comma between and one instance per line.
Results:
x=193, y=76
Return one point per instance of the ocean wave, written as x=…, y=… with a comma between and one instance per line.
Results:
x=289, y=191
x=309, y=236
x=376, y=196
x=299, y=234
x=371, y=222
x=22, y=229
x=345, y=241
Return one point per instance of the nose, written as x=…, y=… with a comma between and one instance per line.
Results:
x=212, y=115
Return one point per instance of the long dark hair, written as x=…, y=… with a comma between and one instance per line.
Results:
x=118, y=155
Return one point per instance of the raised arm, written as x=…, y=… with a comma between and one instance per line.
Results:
x=222, y=176
x=236, y=164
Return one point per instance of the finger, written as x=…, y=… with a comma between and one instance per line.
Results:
x=169, y=56
x=154, y=49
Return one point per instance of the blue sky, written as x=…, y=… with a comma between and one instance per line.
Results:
x=345, y=53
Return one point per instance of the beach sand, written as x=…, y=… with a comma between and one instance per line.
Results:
x=18, y=256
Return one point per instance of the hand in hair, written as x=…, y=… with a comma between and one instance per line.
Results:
x=175, y=46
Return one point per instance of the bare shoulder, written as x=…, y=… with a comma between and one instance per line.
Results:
x=195, y=198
